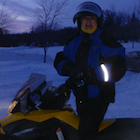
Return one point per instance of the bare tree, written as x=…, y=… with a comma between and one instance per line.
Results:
x=6, y=17
x=132, y=24
x=47, y=15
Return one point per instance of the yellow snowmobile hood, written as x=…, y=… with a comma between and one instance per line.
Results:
x=68, y=121
x=69, y=117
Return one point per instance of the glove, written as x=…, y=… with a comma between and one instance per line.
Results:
x=77, y=73
x=86, y=74
x=71, y=84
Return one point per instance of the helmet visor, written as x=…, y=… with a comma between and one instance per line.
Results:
x=88, y=7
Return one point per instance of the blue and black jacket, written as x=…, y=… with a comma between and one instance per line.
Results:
x=102, y=55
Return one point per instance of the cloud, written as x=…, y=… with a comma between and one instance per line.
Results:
x=20, y=26
x=22, y=7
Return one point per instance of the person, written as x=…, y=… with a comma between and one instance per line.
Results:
x=95, y=59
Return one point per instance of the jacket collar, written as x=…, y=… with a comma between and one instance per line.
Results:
x=86, y=35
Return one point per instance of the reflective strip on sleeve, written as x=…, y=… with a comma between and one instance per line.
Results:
x=105, y=71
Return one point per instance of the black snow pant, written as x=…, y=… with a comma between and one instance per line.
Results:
x=91, y=113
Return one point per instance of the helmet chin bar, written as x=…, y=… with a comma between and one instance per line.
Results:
x=105, y=71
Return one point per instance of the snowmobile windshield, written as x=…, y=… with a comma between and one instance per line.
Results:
x=20, y=102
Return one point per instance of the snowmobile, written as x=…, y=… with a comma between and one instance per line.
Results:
x=38, y=113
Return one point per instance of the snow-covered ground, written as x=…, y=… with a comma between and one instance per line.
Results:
x=16, y=65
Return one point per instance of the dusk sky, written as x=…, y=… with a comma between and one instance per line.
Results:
x=24, y=10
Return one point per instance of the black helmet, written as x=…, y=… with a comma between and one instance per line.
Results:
x=88, y=9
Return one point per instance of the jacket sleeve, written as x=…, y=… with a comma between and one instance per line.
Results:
x=62, y=64
x=112, y=70
x=112, y=67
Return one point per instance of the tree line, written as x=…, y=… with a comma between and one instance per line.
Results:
x=118, y=29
